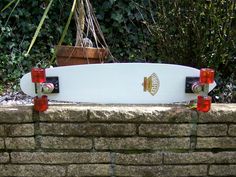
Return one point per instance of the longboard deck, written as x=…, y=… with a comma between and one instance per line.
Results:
x=119, y=83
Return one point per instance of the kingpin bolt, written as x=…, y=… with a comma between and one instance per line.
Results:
x=197, y=87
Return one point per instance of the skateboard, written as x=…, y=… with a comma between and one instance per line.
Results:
x=118, y=83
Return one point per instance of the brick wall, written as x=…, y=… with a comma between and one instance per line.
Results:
x=118, y=141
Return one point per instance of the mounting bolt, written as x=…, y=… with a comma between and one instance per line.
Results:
x=196, y=87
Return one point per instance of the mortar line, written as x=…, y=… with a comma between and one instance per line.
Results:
x=193, y=133
x=112, y=164
x=36, y=120
x=4, y=137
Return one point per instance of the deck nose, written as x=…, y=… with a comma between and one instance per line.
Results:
x=26, y=85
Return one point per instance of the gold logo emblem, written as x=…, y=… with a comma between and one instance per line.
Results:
x=151, y=84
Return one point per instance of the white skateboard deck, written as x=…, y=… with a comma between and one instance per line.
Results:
x=119, y=83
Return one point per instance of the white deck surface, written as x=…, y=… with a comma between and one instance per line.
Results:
x=117, y=83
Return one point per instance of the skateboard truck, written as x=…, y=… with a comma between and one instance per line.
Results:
x=43, y=85
x=206, y=78
x=38, y=76
x=200, y=86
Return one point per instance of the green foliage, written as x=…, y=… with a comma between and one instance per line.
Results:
x=123, y=26
x=1, y=89
x=17, y=33
x=196, y=33
x=39, y=26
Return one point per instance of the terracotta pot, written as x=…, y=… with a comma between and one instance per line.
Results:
x=75, y=55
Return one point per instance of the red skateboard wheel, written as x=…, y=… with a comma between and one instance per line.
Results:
x=204, y=103
x=38, y=75
x=207, y=76
x=41, y=104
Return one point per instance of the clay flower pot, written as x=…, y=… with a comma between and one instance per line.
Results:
x=76, y=55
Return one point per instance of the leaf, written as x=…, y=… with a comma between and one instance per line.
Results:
x=117, y=17
x=67, y=23
x=11, y=12
x=65, y=29
x=112, y=1
x=8, y=5
x=39, y=26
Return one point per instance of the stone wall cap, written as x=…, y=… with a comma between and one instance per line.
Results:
x=118, y=107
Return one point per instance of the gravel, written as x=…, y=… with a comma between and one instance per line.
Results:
x=19, y=98
x=15, y=98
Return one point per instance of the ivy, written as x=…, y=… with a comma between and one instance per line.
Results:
x=123, y=26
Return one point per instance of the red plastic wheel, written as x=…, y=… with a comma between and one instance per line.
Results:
x=203, y=103
x=38, y=75
x=207, y=76
x=41, y=104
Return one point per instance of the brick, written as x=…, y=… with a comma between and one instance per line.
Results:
x=218, y=142
x=2, y=130
x=224, y=157
x=232, y=130
x=4, y=157
x=138, y=159
x=160, y=130
x=141, y=143
x=1, y=143
x=20, y=143
x=220, y=113
x=188, y=158
x=212, y=130
x=60, y=157
x=32, y=170
x=139, y=171
x=18, y=114
x=188, y=170
x=19, y=130
x=64, y=114
x=89, y=170
x=200, y=158
x=137, y=114
x=88, y=129
x=222, y=170
x=66, y=143
x=161, y=171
